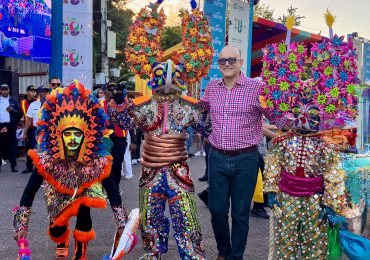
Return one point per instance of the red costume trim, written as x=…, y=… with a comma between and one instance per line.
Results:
x=84, y=236
x=58, y=186
x=72, y=209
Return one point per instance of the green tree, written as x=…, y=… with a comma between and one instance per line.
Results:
x=291, y=11
x=264, y=11
x=170, y=37
x=121, y=20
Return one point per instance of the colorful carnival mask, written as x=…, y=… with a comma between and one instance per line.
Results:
x=187, y=66
x=72, y=123
x=72, y=139
x=316, y=91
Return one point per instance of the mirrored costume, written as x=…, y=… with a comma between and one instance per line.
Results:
x=164, y=118
x=304, y=177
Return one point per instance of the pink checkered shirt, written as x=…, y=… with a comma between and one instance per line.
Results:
x=236, y=114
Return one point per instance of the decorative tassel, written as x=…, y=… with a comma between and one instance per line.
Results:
x=330, y=19
x=193, y=4
x=290, y=21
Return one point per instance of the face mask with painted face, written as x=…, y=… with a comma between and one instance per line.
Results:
x=166, y=77
x=72, y=139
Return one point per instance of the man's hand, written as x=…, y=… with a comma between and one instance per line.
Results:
x=20, y=234
x=3, y=130
x=9, y=109
x=133, y=147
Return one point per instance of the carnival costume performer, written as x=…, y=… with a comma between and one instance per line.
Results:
x=164, y=118
x=304, y=178
x=72, y=164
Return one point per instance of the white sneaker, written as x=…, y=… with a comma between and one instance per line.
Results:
x=127, y=177
x=197, y=153
x=3, y=162
x=204, y=153
x=134, y=162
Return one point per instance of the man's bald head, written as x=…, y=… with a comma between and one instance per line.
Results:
x=230, y=50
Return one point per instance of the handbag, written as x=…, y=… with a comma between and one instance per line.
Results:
x=355, y=246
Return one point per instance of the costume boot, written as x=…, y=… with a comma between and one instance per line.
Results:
x=60, y=235
x=82, y=239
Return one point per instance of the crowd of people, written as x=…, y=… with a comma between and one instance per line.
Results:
x=85, y=142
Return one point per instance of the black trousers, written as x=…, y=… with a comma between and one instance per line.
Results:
x=8, y=144
x=118, y=153
x=30, y=144
x=139, y=138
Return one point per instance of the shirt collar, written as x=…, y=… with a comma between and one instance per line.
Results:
x=239, y=83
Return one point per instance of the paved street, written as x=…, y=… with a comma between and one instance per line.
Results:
x=11, y=188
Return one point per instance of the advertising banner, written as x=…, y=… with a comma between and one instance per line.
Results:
x=215, y=10
x=239, y=29
x=77, y=42
x=366, y=64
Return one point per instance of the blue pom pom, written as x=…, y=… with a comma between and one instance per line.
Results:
x=25, y=258
x=193, y=4
x=106, y=257
x=159, y=1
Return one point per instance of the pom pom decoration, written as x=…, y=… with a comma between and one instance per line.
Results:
x=290, y=21
x=143, y=47
x=330, y=19
x=24, y=252
x=144, y=41
x=331, y=86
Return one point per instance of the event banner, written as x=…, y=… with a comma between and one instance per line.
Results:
x=215, y=10
x=77, y=42
x=239, y=29
x=366, y=64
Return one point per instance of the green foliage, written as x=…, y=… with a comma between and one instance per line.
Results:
x=264, y=11
x=171, y=36
x=121, y=20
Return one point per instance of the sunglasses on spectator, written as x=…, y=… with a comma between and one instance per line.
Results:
x=56, y=84
x=231, y=61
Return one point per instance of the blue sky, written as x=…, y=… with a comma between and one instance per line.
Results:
x=351, y=15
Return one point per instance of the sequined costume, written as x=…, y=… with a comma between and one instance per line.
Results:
x=72, y=164
x=306, y=173
x=164, y=118
x=304, y=177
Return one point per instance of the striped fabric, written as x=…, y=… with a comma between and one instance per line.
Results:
x=236, y=114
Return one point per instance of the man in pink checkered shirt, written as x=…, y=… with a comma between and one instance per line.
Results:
x=236, y=117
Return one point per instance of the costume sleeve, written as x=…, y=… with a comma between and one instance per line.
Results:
x=334, y=181
x=119, y=115
x=273, y=168
x=203, y=125
x=31, y=189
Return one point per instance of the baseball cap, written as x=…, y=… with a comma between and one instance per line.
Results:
x=43, y=88
x=4, y=85
x=31, y=87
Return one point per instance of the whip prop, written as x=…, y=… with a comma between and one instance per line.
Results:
x=124, y=244
x=24, y=252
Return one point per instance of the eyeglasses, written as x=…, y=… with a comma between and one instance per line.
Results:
x=231, y=61
x=56, y=84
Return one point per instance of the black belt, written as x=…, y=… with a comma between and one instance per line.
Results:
x=236, y=152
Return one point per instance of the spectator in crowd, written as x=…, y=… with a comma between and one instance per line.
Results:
x=118, y=137
x=10, y=114
x=54, y=83
x=236, y=117
x=25, y=103
x=20, y=140
x=32, y=118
